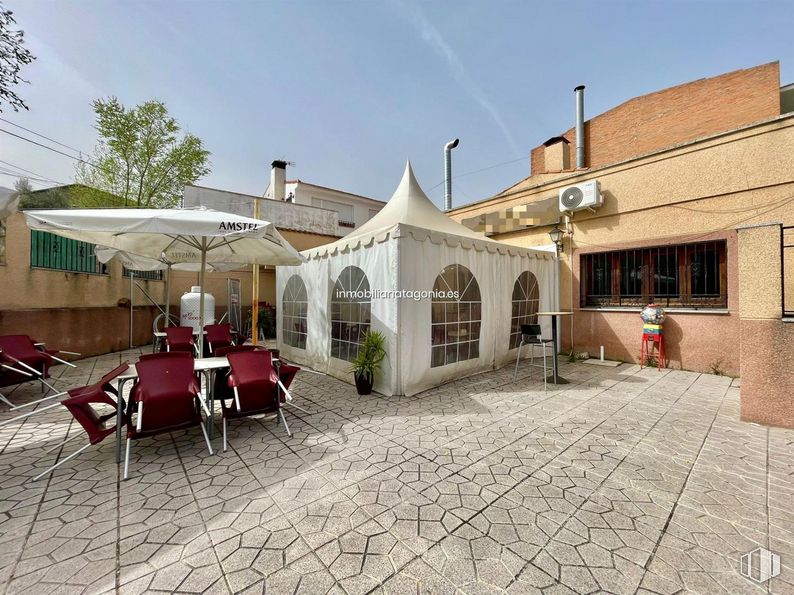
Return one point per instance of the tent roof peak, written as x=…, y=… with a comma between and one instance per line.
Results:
x=408, y=184
x=411, y=206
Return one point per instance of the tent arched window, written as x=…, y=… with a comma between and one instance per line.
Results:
x=526, y=299
x=294, y=308
x=350, y=313
x=456, y=317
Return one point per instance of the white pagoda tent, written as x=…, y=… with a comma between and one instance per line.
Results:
x=345, y=288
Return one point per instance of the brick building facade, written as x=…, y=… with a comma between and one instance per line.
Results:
x=681, y=171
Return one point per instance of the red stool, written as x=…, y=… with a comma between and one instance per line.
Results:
x=656, y=341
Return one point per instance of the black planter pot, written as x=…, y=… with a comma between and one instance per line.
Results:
x=363, y=384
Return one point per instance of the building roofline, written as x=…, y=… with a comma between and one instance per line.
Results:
x=573, y=175
x=681, y=85
x=556, y=139
x=253, y=197
x=72, y=185
x=312, y=233
x=299, y=181
x=226, y=191
x=634, y=99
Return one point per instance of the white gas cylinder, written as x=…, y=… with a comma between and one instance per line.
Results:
x=190, y=307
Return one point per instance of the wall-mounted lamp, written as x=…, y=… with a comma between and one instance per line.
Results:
x=556, y=235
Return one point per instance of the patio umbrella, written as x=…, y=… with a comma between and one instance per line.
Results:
x=133, y=262
x=173, y=235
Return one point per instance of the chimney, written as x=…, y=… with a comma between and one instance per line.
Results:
x=448, y=173
x=580, y=157
x=556, y=154
x=278, y=180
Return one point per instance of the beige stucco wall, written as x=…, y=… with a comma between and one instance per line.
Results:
x=767, y=341
x=717, y=183
x=216, y=284
x=760, y=272
x=22, y=287
x=697, y=191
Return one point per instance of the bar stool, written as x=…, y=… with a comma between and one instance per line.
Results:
x=649, y=342
x=531, y=335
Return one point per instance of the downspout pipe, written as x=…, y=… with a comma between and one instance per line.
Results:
x=448, y=173
x=580, y=156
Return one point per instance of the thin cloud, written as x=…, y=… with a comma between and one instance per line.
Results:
x=434, y=39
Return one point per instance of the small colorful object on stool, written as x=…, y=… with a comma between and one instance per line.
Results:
x=652, y=314
x=652, y=317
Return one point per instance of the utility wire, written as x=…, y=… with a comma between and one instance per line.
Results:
x=43, y=146
x=40, y=176
x=32, y=180
x=14, y=174
x=476, y=171
x=692, y=238
x=52, y=140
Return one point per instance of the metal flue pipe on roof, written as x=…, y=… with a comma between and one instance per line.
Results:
x=580, y=158
x=448, y=173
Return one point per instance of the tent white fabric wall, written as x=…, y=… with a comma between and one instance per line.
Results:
x=405, y=247
x=496, y=272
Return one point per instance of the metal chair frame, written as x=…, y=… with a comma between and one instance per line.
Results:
x=24, y=369
x=80, y=399
x=531, y=335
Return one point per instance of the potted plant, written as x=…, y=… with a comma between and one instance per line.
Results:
x=366, y=365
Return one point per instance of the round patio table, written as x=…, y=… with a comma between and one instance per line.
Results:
x=204, y=366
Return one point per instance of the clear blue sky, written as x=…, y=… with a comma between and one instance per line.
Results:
x=349, y=89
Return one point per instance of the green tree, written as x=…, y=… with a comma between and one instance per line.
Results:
x=140, y=156
x=13, y=56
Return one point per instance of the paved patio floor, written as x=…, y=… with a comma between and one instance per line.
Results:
x=623, y=481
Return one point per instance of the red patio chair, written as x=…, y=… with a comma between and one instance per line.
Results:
x=254, y=382
x=79, y=403
x=164, y=355
x=180, y=338
x=221, y=389
x=166, y=398
x=218, y=337
x=20, y=352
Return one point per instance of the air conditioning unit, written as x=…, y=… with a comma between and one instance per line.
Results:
x=586, y=195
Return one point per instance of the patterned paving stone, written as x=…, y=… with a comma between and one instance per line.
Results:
x=623, y=481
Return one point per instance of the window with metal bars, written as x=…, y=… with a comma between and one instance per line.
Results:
x=48, y=251
x=685, y=276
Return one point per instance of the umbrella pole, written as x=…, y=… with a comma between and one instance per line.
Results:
x=202, y=275
x=132, y=296
x=168, y=295
x=255, y=305
x=255, y=291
